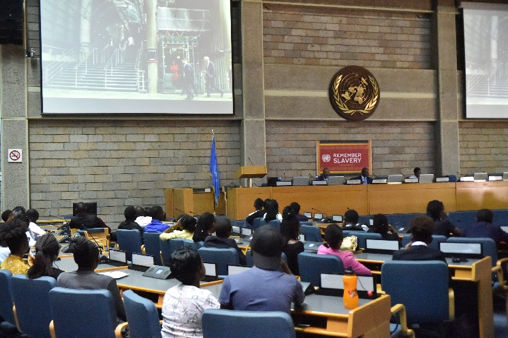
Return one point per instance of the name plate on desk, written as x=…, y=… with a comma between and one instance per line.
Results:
x=379, y=181
x=283, y=183
x=410, y=180
x=319, y=183
x=442, y=179
x=351, y=182
x=467, y=179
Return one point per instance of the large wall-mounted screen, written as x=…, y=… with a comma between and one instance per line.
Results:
x=486, y=51
x=136, y=57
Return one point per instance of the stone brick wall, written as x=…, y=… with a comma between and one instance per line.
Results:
x=483, y=147
x=121, y=163
x=396, y=146
x=315, y=36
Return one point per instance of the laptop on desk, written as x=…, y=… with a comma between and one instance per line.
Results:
x=333, y=285
x=335, y=180
x=426, y=178
x=117, y=258
x=141, y=262
x=211, y=272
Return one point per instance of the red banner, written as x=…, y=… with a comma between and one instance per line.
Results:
x=343, y=157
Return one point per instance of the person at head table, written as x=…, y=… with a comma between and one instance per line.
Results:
x=416, y=173
x=364, y=177
x=324, y=176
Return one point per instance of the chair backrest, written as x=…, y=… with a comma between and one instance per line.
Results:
x=312, y=265
x=220, y=256
x=257, y=222
x=152, y=246
x=362, y=236
x=275, y=223
x=82, y=313
x=129, y=241
x=142, y=316
x=6, y=301
x=250, y=260
x=247, y=324
x=31, y=297
x=312, y=233
x=489, y=247
x=168, y=247
x=422, y=286
x=306, y=223
x=436, y=239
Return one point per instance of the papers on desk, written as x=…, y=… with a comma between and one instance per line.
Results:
x=114, y=274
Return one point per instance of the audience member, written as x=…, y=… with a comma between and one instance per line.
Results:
x=484, y=227
x=296, y=207
x=184, y=229
x=258, y=205
x=351, y=221
x=86, y=256
x=141, y=218
x=184, y=304
x=130, y=217
x=442, y=226
x=272, y=211
x=156, y=225
x=46, y=253
x=421, y=236
x=223, y=228
x=13, y=234
x=279, y=289
x=333, y=238
x=382, y=227
x=33, y=216
x=205, y=227
x=85, y=220
x=290, y=230
x=324, y=175
x=7, y=215
x=364, y=177
x=20, y=213
x=416, y=173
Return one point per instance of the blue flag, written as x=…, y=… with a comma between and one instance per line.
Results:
x=214, y=170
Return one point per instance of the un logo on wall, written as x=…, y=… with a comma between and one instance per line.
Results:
x=354, y=93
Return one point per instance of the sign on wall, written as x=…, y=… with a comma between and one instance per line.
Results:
x=343, y=157
x=15, y=155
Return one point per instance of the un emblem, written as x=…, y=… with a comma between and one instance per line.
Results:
x=354, y=93
x=326, y=158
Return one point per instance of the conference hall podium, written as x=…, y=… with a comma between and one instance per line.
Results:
x=250, y=172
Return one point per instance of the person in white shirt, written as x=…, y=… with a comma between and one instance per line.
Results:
x=33, y=216
x=141, y=219
x=184, y=304
x=416, y=173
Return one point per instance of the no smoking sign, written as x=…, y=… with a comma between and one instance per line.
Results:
x=15, y=156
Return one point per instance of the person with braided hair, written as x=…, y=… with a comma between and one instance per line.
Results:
x=12, y=235
x=290, y=230
x=86, y=256
x=46, y=253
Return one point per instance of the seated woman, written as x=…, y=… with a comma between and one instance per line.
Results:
x=442, y=226
x=184, y=304
x=333, y=238
x=272, y=211
x=46, y=253
x=290, y=230
x=86, y=256
x=184, y=228
x=223, y=228
x=205, y=227
x=382, y=227
x=13, y=235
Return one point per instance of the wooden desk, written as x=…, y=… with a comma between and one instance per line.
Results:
x=475, y=270
x=327, y=316
x=67, y=263
x=482, y=195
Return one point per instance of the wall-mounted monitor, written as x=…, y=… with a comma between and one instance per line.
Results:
x=136, y=57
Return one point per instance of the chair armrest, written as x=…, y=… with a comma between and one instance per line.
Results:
x=143, y=249
x=119, y=329
x=400, y=310
x=15, y=313
x=52, y=329
x=451, y=303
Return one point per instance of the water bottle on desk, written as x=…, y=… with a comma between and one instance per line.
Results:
x=350, y=293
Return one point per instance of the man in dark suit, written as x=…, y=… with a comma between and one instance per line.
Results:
x=85, y=220
x=364, y=177
x=210, y=77
x=324, y=176
x=421, y=237
x=188, y=79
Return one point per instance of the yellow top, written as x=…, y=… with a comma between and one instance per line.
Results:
x=177, y=234
x=15, y=264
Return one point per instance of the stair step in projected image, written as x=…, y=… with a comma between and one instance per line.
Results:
x=486, y=51
x=136, y=57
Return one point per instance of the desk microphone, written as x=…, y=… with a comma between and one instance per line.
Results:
x=250, y=161
x=402, y=174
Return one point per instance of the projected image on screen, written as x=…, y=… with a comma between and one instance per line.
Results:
x=136, y=56
x=486, y=50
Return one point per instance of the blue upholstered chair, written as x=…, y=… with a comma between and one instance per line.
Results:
x=170, y=246
x=312, y=233
x=436, y=239
x=257, y=222
x=83, y=314
x=31, y=299
x=422, y=287
x=362, y=236
x=250, y=260
x=142, y=316
x=152, y=246
x=129, y=241
x=275, y=223
x=247, y=324
x=221, y=257
x=6, y=299
x=312, y=265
